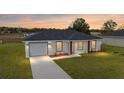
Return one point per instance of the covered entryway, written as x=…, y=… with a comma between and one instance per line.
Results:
x=38, y=49
x=92, y=46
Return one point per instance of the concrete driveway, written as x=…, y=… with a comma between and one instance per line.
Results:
x=44, y=67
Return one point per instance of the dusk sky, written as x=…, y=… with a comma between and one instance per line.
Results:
x=56, y=20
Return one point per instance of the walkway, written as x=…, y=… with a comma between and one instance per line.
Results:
x=44, y=67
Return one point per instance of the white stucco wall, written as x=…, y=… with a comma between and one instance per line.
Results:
x=98, y=45
x=66, y=48
x=52, y=48
x=26, y=50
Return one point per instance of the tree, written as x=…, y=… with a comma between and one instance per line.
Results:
x=109, y=25
x=80, y=25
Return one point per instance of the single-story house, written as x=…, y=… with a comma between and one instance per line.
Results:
x=96, y=32
x=115, y=38
x=55, y=42
x=117, y=33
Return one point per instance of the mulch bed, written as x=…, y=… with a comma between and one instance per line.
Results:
x=58, y=55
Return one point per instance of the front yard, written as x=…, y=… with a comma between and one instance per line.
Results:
x=107, y=64
x=100, y=65
x=13, y=63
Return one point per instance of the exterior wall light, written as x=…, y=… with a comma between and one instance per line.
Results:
x=49, y=42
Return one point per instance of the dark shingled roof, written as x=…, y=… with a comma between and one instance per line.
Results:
x=60, y=35
x=116, y=33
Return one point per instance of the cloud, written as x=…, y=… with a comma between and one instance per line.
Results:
x=56, y=20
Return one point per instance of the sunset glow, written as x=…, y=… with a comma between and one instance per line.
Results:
x=56, y=20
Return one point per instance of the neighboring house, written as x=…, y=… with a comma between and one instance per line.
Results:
x=28, y=34
x=54, y=42
x=114, y=38
x=95, y=32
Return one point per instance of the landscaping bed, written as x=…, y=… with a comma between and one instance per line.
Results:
x=58, y=55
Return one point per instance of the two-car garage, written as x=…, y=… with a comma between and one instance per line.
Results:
x=38, y=49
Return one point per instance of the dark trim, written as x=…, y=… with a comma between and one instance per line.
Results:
x=62, y=46
x=89, y=46
x=37, y=42
x=71, y=47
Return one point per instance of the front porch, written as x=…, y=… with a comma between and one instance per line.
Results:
x=71, y=47
x=67, y=48
x=80, y=46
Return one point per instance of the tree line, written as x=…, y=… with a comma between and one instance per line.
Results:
x=79, y=25
x=4, y=30
x=82, y=26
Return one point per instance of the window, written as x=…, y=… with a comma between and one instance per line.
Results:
x=94, y=44
x=80, y=45
x=59, y=46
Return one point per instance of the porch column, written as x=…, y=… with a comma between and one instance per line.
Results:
x=70, y=47
x=89, y=46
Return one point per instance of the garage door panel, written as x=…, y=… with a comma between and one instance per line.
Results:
x=38, y=49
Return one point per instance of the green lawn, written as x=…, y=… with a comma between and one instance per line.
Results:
x=100, y=65
x=13, y=63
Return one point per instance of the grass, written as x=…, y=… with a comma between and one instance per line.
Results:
x=100, y=65
x=13, y=63
x=11, y=35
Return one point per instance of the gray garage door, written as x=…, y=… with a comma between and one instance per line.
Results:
x=38, y=49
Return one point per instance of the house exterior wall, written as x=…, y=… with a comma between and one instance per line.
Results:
x=26, y=49
x=52, y=47
x=66, y=46
x=98, y=45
